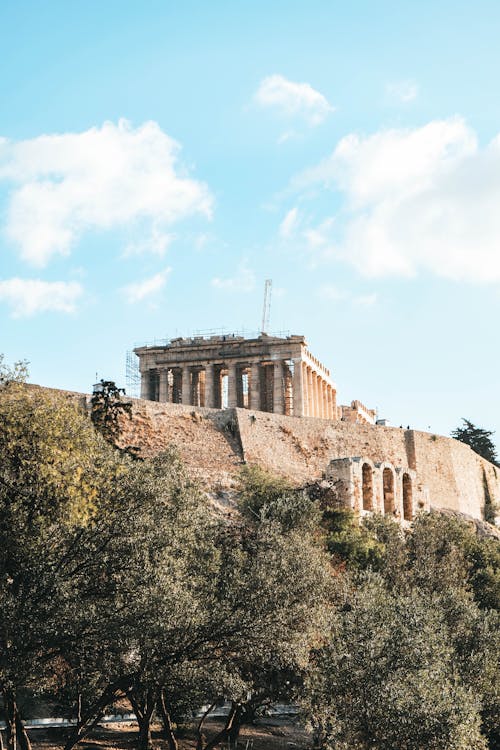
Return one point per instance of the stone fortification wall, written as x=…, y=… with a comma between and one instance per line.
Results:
x=214, y=443
x=452, y=473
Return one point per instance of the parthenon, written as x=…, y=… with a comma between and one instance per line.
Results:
x=267, y=373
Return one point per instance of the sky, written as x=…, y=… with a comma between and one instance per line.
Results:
x=159, y=161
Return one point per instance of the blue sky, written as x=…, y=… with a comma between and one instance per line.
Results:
x=160, y=160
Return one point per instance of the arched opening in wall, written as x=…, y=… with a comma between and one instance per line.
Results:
x=407, y=498
x=388, y=482
x=367, y=486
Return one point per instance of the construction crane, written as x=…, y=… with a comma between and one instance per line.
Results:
x=266, y=310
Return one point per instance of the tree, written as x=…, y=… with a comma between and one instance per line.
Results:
x=58, y=488
x=236, y=609
x=107, y=407
x=478, y=439
x=18, y=373
x=387, y=678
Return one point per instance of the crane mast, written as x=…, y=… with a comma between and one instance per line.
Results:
x=266, y=310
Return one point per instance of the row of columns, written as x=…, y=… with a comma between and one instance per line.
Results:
x=277, y=386
x=318, y=396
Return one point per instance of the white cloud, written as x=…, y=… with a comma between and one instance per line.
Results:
x=138, y=291
x=289, y=224
x=244, y=281
x=293, y=99
x=156, y=242
x=366, y=300
x=402, y=91
x=106, y=177
x=421, y=199
x=26, y=297
x=333, y=293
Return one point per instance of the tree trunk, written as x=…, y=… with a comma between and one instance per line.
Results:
x=239, y=717
x=144, y=714
x=10, y=720
x=96, y=711
x=22, y=737
x=168, y=728
x=224, y=733
x=199, y=729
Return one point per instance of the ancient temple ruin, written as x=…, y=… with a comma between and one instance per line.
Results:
x=266, y=373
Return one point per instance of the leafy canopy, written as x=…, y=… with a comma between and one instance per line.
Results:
x=478, y=439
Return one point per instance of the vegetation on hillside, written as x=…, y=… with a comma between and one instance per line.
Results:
x=118, y=581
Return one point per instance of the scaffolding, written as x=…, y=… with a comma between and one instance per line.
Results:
x=132, y=375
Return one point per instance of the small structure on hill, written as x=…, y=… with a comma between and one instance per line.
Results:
x=266, y=373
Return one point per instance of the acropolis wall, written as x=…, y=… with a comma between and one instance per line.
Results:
x=214, y=443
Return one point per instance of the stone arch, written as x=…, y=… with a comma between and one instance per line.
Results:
x=388, y=490
x=407, y=498
x=367, y=486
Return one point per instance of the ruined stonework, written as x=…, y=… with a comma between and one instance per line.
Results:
x=378, y=487
x=267, y=373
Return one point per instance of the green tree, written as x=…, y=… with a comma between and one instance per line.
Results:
x=56, y=477
x=18, y=373
x=478, y=439
x=388, y=678
x=107, y=408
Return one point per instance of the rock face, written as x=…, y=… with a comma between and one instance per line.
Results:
x=214, y=443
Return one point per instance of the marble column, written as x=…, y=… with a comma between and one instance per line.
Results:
x=209, y=386
x=319, y=391
x=145, y=384
x=324, y=400
x=310, y=390
x=329, y=402
x=163, y=385
x=305, y=390
x=186, y=386
x=255, y=386
x=298, y=408
x=278, y=391
x=232, y=394
x=334, y=404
